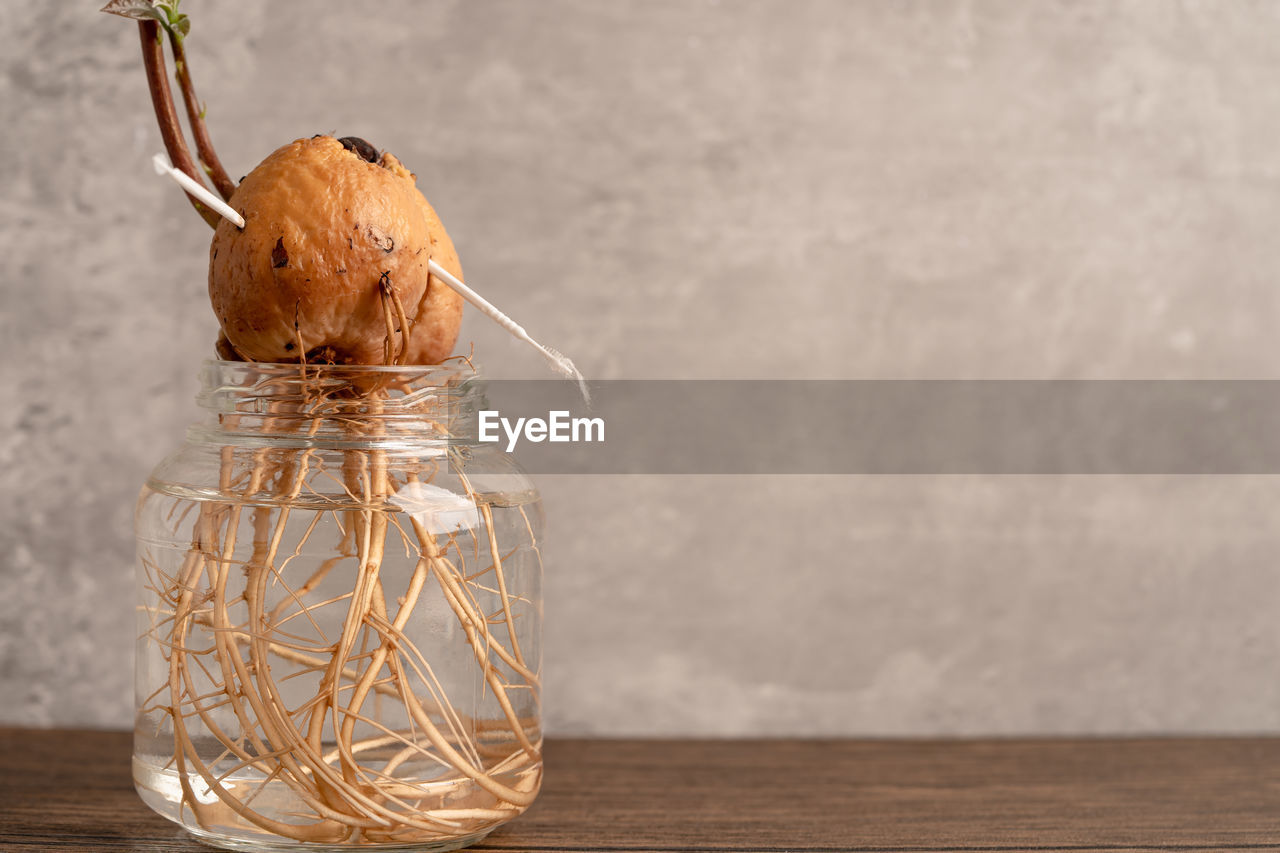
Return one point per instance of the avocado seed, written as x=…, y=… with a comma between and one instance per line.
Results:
x=332, y=261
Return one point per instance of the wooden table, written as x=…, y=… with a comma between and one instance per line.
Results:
x=71, y=790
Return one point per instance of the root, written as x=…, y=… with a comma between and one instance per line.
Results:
x=348, y=715
x=390, y=300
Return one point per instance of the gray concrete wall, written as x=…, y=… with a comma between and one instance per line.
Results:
x=749, y=189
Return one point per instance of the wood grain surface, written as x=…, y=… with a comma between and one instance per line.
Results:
x=71, y=790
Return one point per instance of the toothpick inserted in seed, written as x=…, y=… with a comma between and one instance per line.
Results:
x=197, y=189
x=558, y=360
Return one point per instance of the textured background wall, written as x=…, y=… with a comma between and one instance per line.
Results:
x=711, y=189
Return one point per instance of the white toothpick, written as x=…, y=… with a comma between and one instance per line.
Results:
x=163, y=167
x=558, y=360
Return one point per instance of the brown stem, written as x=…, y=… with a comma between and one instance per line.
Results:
x=195, y=119
x=167, y=114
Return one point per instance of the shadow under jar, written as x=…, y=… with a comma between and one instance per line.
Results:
x=339, y=615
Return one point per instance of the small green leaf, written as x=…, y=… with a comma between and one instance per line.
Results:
x=139, y=10
x=164, y=11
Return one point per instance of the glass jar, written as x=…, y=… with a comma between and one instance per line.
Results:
x=339, y=617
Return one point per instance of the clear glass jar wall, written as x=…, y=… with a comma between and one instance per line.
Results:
x=339, y=618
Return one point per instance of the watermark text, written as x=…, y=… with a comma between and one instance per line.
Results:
x=559, y=426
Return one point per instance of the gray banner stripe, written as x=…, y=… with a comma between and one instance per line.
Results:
x=899, y=427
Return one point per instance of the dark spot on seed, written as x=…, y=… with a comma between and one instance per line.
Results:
x=340, y=271
x=215, y=254
x=279, y=257
x=349, y=244
x=360, y=148
x=241, y=181
x=288, y=345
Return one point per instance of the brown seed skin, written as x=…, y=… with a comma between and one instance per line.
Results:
x=322, y=226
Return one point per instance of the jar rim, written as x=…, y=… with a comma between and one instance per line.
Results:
x=416, y=396
x=461, y=367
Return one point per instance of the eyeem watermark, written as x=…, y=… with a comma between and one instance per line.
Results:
x=558, y=427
